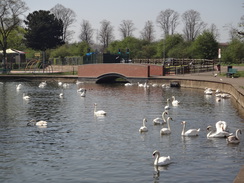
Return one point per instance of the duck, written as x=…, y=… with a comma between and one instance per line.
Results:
x=39, y=123
x=100, y=112
x=234, y=139
x=143, y=127
x=217, y=134
x=175, y=102
x=166, y=131
x=190, y=132
x=26, y=97
x=167, y=107
x=161, y=160
x=160, y=121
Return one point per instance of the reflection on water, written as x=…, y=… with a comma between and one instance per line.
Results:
x=76, y=146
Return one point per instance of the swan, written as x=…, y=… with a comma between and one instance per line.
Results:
x=42, y=84
x=146, y=85
x=26, y=97
x=128, y=84
x=83, y=93
x=143, y=127
x=161, y=161
x=160, y=121
x=217, y=134
x=166, y=131
x=154, y=85
x=39, y=123
x=60, y=83
x=100, y=112
x=175, y=102
x=167, y=107
x=208, y=91
x=61, y=95
x=221, y=126
x=234, y=139
x=18, y=87
x=140, y=85
x=190, y=132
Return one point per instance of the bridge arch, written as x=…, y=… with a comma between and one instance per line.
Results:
x=111, y=78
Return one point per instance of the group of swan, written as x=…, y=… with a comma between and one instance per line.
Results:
x=221, y=130
x=209, y=91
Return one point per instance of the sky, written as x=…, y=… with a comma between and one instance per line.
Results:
x=223, y=13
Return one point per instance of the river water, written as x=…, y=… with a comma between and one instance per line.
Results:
x=78, y=147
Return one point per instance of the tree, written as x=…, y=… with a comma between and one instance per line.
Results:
x=126, y=28
x=148, y=31
x=168, y=21
x=44, y=31
x=234, y=53
x=205, y=46
x=10, y=10
x=213, y=29
x=105, y=34
x=193, y=24
x=67, y=16
x=86, y=32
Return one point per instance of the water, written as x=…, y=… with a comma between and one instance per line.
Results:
x=78, y=147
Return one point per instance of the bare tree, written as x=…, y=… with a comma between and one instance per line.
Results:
x=86, y=32
x=148, y=31
x=10, y=10
x=213, y=29
x=193, y=24
x=168, y=21
x=106, y=33
x=68, y=17
x=126, y=28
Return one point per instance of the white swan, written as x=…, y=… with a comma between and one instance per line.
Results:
x=167, y=107
x=60, y=83
x=26, y=97
x=221, y=126
x=166, y=131
x=208, y=91
x=143, y=127
x=190, y=132
x=128, y=84
x=160, y=121
x=100, y=112
x=42, y=84
x=175, y=102
x=83, y=93
x=161, y=161
x=217, y=134
x=234, y=139
x=18, y=87
x=61, y=95
x=39, y=123
x=140, y=85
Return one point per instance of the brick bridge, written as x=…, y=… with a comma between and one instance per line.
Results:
x=101, y=73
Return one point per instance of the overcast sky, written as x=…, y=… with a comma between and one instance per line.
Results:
x=222, y=13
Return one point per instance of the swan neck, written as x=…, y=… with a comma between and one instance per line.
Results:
x=168, y=123
x=156, y=159
x=163, y=116
x=183, y=129
x=237, y=134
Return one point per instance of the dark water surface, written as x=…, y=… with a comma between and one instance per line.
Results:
x=78, y=147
